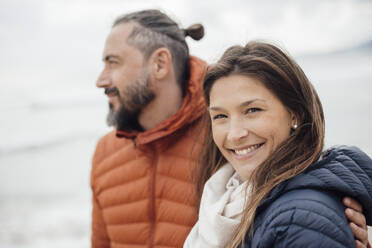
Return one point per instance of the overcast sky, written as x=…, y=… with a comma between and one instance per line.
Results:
x=53, y=44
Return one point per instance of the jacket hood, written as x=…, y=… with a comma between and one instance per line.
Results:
x=193, y=106
x=345, y=170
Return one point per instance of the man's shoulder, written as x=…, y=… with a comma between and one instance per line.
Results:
x=107, y=136
x=111, y=138
x=108, y=144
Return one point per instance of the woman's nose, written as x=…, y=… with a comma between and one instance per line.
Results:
x=237, y=131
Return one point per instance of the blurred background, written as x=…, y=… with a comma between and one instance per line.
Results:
x=52, y=114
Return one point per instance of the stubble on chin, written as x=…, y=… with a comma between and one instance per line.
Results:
x=111, y=118
x=124, y=116
x=123, y=120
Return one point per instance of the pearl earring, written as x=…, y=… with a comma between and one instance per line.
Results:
x=294, y=126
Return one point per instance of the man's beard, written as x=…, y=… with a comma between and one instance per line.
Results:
x=135, y=97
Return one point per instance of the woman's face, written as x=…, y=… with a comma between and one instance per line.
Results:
x=248, y=121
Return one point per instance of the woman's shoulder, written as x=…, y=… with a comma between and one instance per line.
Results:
x=302, y=217
x=321, y=202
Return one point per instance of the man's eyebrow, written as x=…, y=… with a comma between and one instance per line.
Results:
x=110, y=56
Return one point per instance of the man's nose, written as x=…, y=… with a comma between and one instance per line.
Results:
x=103, y=80
x=237, y=131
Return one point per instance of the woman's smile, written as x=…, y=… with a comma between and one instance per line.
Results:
x=244, y=153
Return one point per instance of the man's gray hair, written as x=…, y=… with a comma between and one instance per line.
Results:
x=154, y=30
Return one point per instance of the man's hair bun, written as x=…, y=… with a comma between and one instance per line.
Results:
x=195, y=31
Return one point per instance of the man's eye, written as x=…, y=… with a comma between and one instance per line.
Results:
x=111, y=62
x=219, y=116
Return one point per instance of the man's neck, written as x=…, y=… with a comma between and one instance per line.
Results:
x=167, y=102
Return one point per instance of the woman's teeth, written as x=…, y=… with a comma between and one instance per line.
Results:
x=247, y=150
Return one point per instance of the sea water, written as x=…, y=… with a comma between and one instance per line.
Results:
x=47, y=138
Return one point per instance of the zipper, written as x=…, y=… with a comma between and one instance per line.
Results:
x=152, y=210
x=134, y=142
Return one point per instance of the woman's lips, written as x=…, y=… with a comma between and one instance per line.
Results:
x=246, y=152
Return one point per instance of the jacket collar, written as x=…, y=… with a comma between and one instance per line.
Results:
x=192, y=108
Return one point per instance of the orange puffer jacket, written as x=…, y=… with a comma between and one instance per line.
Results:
x=142, y=190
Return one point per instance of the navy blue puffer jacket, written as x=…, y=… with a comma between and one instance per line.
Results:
x=307, y=210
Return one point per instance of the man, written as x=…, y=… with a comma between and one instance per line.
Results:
x=142, y=192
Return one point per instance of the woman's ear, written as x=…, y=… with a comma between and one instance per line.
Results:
x=294, y=121
x=160, y=63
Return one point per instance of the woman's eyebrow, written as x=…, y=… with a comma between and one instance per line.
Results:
x=244, y=104
x=214, y=108
x=247, y=103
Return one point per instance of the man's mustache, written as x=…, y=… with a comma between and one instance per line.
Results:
x=112, y=91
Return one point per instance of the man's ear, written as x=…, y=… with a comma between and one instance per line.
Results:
x=160, y=63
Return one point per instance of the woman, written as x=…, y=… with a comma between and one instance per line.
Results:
x=263, y=154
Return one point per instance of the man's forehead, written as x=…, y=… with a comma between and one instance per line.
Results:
x=117, y=39
x=120, y=32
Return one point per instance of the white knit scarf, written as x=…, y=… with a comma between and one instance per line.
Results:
x=220, y=210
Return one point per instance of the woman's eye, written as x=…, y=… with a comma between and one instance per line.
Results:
x=252, y=110
x=219, y=116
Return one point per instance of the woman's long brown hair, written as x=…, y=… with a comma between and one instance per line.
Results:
x=285, y=79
